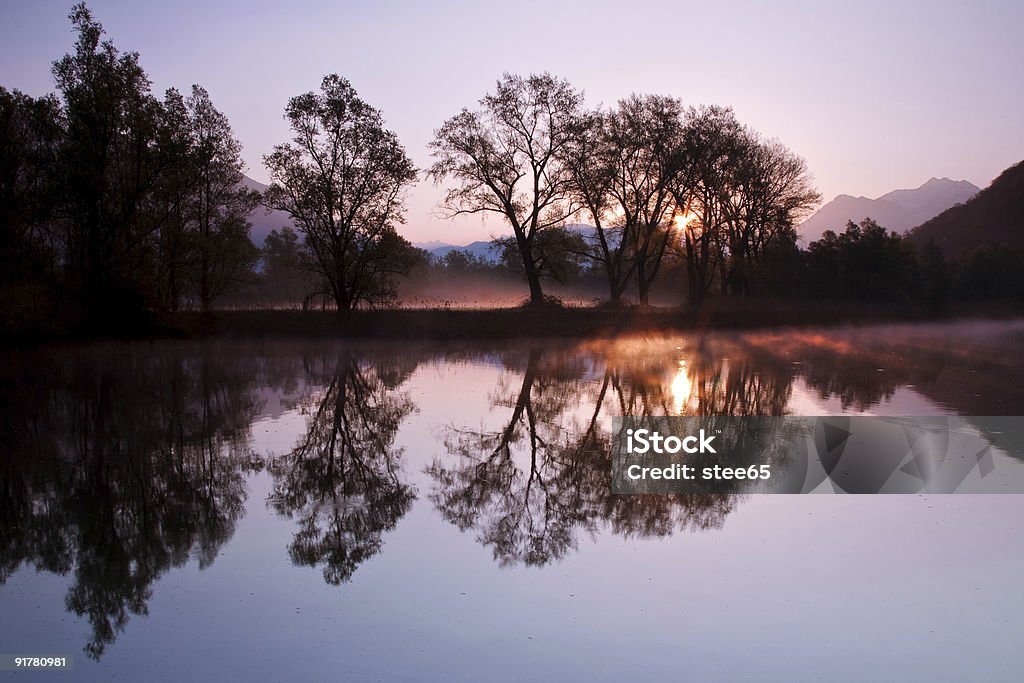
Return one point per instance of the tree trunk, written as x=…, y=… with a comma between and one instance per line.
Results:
x=645, y=294
x=643, y=284
x=532, y=274
x=342, y=300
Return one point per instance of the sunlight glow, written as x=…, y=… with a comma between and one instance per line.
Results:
x=681, y=220
x=682, y=389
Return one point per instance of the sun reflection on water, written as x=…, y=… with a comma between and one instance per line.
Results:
x=682, y=389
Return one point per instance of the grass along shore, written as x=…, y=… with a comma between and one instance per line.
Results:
x=494, y=323
x=550, y=321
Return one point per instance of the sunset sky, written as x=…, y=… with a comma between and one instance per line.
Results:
x=875, y=95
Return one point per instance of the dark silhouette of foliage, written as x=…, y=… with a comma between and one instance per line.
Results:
x=115, y=204
x=990, y=273
x=866, y=262
x=506, y=160
x=117, y=469
x=559, y=254
x=288, y=276
x=740, y=197
x=341, y=179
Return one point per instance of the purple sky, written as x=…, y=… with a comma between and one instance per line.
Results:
x=876, y=96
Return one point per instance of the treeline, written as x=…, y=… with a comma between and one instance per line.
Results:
x=655, y=179
x=868, y=263
x=865, y=263
x=116, y=204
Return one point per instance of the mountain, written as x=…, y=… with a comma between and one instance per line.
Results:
x=262, y=220
x=899, y=210
x=484, y=248
x=994, y=216
x=433, y=244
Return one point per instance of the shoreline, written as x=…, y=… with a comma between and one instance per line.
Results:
x=517, y=323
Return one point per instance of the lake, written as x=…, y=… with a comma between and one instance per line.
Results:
x=293, y=510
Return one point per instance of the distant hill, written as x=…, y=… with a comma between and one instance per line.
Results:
x=481, y=249
x=262, y=221
x=433, y=244
x=899, y=210
x=484, y=248
x=994, y=216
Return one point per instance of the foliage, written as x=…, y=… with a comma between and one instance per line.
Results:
x=559, y=253
x=506, y=159
x=341, y=179
x=288, y=274
x=866, y=262
x=115, y=203
x=990, y=273
x=740, y=195
x=222, y=254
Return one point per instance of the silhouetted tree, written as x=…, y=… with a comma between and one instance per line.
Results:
x=222, y=255
x=30, y=131
x=866, y=262
x=111, y=157
x=341, y=179
x=645, y=139
x=936, y=277
x=712, y=139
x=990, y=273
x=506, y=159
x=289, y=275
x=592, y=164
x=116, y=203
x=464, y=261
x=742, y=195
x=770, y=192
x=559, y=253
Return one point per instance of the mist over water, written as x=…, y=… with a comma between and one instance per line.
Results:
x=438, y=511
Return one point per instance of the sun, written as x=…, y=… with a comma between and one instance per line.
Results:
x=681, y=220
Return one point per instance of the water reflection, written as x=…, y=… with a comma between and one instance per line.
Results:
x=531, y=488
x=342, y=480
x=118, y=464
x=528, y=509
x=116, y=469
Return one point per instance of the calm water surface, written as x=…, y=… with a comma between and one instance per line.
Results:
x=301, y=510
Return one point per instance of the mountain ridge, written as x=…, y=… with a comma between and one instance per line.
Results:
x=898, y=210
x=994, y=216
x=264, y=220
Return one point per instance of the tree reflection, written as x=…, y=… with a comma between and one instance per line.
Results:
x=969, y=368
x=530, y=488
x=526, y=509
x=118, y=469
x=341, y=481
x=117, y=465
x=533, y=487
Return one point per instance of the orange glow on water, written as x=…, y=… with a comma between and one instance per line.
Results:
x=682, y=389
